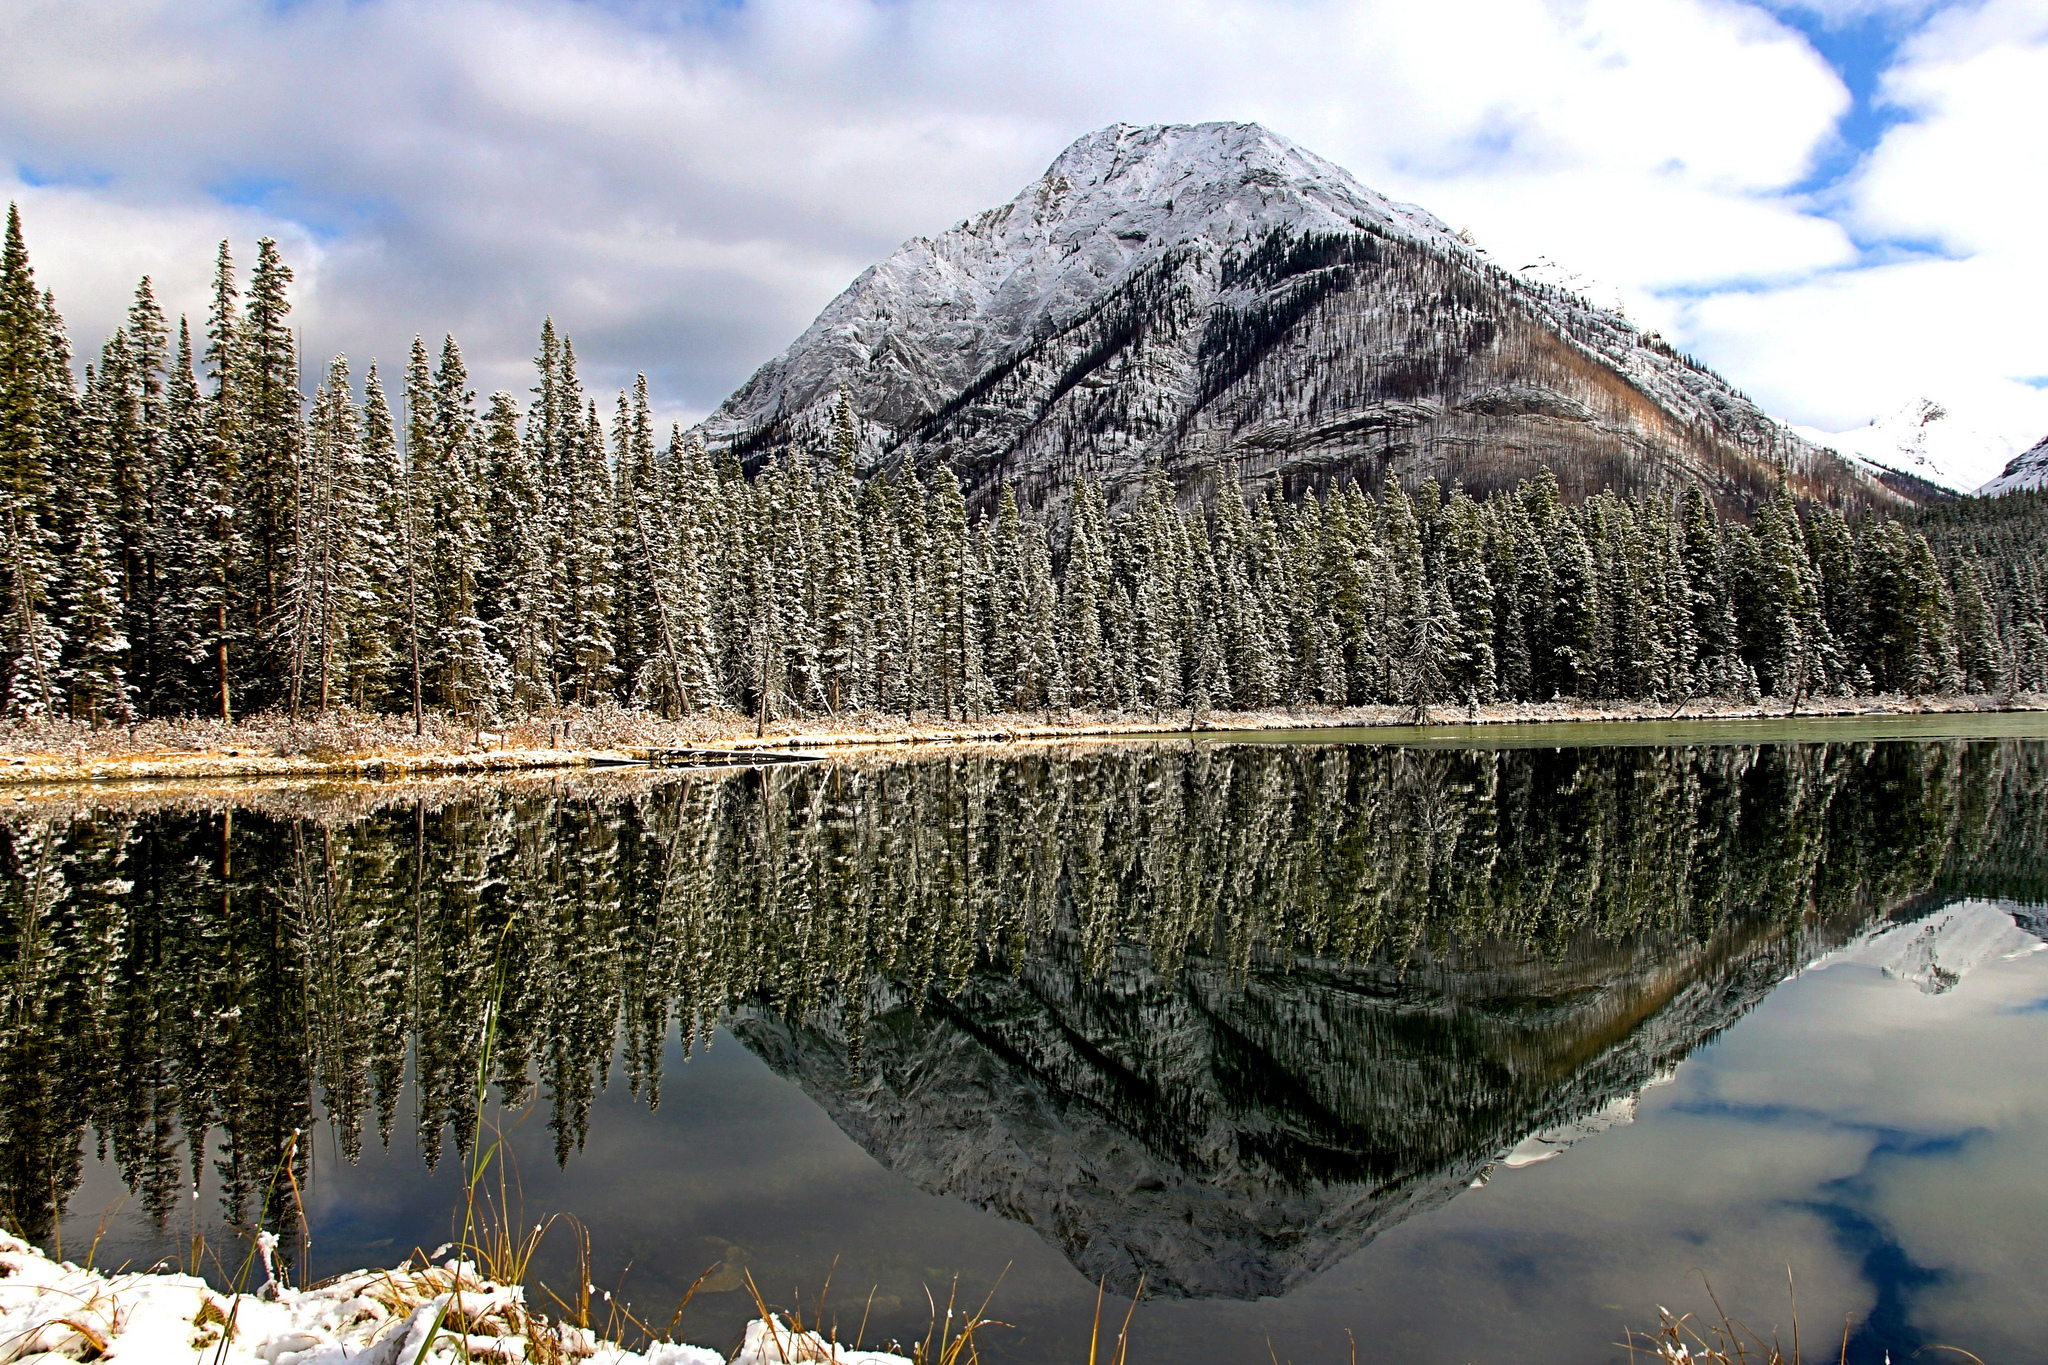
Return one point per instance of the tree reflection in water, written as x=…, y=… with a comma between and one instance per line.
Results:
x=1214, y=1013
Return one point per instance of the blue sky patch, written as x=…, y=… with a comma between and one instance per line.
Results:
x=1860, y=51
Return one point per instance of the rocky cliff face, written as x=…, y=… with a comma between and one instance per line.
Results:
x=2028, y=472
x=1213, y=295
x=1228, y=1136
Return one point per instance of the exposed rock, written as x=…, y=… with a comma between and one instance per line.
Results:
x=1208, y=295
x=2028, y=472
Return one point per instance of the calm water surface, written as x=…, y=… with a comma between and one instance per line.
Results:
x=1477, y=1047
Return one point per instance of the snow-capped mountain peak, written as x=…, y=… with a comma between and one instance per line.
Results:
x=1209, y=296
x=1107, y=205
x=1924, y=440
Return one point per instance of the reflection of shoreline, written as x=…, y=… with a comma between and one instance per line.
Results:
x=381, y=749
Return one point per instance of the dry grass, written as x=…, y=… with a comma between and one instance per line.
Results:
x=1688, y=1339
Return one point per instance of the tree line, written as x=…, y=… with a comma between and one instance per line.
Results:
x=191, y=982
x=188, y=533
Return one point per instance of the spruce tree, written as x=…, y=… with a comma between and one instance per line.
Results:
x=29, y=636
x=97, y=642
x=381, y=659
x=214, y=597
x=268, y=407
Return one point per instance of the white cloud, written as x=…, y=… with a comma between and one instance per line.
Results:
x=683, y=187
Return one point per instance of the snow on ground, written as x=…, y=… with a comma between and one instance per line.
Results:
x=1924, y=440
x=53, y=1312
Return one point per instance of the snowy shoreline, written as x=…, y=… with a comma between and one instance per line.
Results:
x=381, y=748
x=56, y=1312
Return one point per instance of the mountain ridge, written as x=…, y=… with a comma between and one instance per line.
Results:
x=2026, y=473
x=1212, y=294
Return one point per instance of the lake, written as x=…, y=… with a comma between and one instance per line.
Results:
x=1458, y=1045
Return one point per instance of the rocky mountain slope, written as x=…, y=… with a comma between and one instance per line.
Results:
x=2027, y=473
x=1228, y=1135
x=1212, y=294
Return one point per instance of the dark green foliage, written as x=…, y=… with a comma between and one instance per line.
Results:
x=176, y=551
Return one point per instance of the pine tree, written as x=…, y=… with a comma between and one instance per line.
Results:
x=29, y=391
x=522, y=629
x=213, y=598
x=268, y=406
x=96, y=671
x=380, y=658
x=470, y=677
x=332, y=598
x=951, y=591
x=145, y=520
x=179, y=537
x=592, y=565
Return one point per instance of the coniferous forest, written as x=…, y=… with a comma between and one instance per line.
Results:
x=189, y=532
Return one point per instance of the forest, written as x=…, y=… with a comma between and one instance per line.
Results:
x=187, y=532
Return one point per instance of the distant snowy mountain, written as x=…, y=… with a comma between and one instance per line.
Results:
x=1213, y=296
x=2027, y=472
x=1924, y=441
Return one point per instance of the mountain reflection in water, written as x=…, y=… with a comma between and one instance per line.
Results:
x=1212, y=1014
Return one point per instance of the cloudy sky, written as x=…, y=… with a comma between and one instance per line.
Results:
x=1841, y=204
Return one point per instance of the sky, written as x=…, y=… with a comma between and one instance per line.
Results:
x=1839, y=204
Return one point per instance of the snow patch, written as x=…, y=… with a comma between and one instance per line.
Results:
x=52, y=1312
x=1934, y=954
x=1618, y=1112
x=1924, y=440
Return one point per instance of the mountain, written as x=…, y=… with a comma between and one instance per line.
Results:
x=1211, y=294
x=1922, y=441
x=2028, y=472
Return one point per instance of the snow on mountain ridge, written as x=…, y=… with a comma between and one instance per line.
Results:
x=1211, y=296
x=1921, y=439
x=2026, y=473
x=1105, y=205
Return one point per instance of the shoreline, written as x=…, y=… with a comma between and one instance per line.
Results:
x=55, y=1312
x=356, y=748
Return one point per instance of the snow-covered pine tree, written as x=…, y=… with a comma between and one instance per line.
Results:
x=380, y=655
x=694, y=503
x=96, y=661
x=1044, y=654
x=268, y=411
x=635, y=622
x=29, y=636
x=1007, y=646
x=470, y=675
x=1082, y=591
x=145, y=518
x=212, y=595
x=521, y=633
x=179, y=534
x=1470, y=672
x=913, y=590
x=593, y=568
x=951, y=590
x=840, y=566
